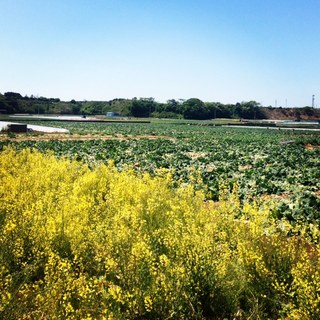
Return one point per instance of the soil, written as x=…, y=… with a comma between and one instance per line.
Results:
x=290, y=114
x=311, y=147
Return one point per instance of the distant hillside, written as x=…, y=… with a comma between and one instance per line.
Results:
x=12, y=102
x=306, y=113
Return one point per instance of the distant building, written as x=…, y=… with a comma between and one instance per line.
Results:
x=113, y=114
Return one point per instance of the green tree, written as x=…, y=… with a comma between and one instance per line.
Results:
x=173, y=106
x=4, y=106
x=195, y=109
x=142, y=107
x=250, y=110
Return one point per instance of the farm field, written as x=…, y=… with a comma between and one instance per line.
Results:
x=159, y=221
x=284, y=165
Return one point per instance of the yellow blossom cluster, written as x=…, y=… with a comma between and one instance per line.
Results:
x=81, y=243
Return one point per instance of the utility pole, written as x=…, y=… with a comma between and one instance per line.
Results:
x=313, y=101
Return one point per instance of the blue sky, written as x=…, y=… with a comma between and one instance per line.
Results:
x=219, y=50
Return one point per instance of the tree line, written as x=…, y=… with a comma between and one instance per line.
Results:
x=193, y=108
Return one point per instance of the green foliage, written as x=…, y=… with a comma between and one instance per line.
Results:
x=259, y=161
x=193, y=108
x=4, y=106
x=142, y=107
x=166, y=115
x=80, y=243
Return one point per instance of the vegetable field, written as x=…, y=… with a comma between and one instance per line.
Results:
x=282, y=165
x=160, y=221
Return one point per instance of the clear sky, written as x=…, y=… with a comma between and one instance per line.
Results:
x=215, y=50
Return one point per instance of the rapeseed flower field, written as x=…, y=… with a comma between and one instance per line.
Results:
x=95, y=243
